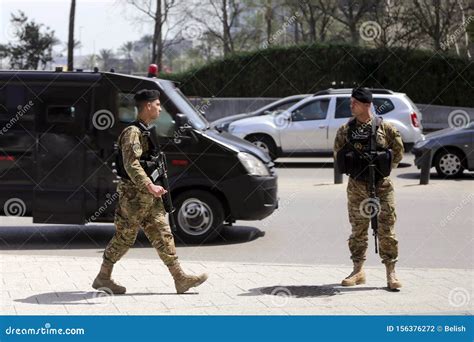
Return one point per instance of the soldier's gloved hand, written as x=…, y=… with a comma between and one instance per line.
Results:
x=156, y=190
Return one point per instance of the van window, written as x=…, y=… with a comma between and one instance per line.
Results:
x=165, y=125
x=3, y=102
x=315, y=110
x=343, y=108
x=382, y=106
x=127, y=111
x=183, y=105
x=12, y=99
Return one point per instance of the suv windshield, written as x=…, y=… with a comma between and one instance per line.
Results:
x=184, y=105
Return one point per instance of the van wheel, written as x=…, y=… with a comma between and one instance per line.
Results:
x=199, y=216
x=449, y=163
x=265, y=143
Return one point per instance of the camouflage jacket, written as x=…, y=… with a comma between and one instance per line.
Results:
x=133, y=144
x=387, y=137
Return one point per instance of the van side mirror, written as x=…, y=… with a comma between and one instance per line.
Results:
x=182, y=121
x=182, y=124
x=184, y=131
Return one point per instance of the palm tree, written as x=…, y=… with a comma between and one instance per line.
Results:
x=126, y=50
x=90, y=62
x=105, y=56
x=147, y=42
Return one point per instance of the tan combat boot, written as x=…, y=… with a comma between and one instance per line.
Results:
x=392, y=282
x=357, y=276
x=103, y=281
x=182, y=281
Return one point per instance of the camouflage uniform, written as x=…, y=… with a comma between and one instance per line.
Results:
x=357, y=192
x=137, y=207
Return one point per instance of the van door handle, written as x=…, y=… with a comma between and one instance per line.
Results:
x=322, y=126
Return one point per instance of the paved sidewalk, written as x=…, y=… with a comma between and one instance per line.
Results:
x=38, y=285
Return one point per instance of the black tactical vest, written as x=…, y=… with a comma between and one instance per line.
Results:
x=359, y=135
x=354, y=157
x=147, y=158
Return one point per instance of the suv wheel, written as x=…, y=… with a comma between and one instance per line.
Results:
x=265, y=143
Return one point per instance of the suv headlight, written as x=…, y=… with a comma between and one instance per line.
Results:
x=253, y=165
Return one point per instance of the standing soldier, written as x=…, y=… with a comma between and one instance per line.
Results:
x=350, y=148
x=140, y=203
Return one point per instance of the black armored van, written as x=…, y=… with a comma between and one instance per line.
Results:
x=57, y=158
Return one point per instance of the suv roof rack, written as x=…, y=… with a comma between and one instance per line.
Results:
x=331, y=91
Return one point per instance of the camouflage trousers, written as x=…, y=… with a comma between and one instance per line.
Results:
x=359, y=217
x=137, y=209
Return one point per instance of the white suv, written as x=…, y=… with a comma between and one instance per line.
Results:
x=310, y=126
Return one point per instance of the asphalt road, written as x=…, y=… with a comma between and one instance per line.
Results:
x=435, y=225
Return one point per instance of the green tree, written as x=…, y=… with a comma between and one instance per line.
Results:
x=159, y=12
x=435, y=19
x=33, y=45
x=126, y=50
x=90, y=62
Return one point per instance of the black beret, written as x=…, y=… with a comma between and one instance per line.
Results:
x=362, y=94
x=146, y=95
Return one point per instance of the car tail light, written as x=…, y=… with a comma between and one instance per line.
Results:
x=414, y=120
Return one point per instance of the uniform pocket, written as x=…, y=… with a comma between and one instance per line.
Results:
x=133, y=203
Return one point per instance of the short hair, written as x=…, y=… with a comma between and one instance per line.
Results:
x=145, y=95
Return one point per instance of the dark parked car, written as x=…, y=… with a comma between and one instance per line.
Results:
x=451, y=150
x=281, y=104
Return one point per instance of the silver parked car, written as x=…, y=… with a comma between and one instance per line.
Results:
x=281, y=104
x=310, y=126
x=451, y=149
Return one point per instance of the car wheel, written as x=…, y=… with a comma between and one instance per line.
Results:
x=449, y=164
x=265, y=143
x=199, y=216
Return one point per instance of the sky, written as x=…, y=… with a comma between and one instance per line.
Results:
x=99, y=24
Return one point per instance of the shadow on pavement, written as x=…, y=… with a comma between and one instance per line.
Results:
x=317, y=165
x=302, y=291
x=232, y=235
x=304, y=165
x=77, y=297
x=97, y=236
x=435, y=176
